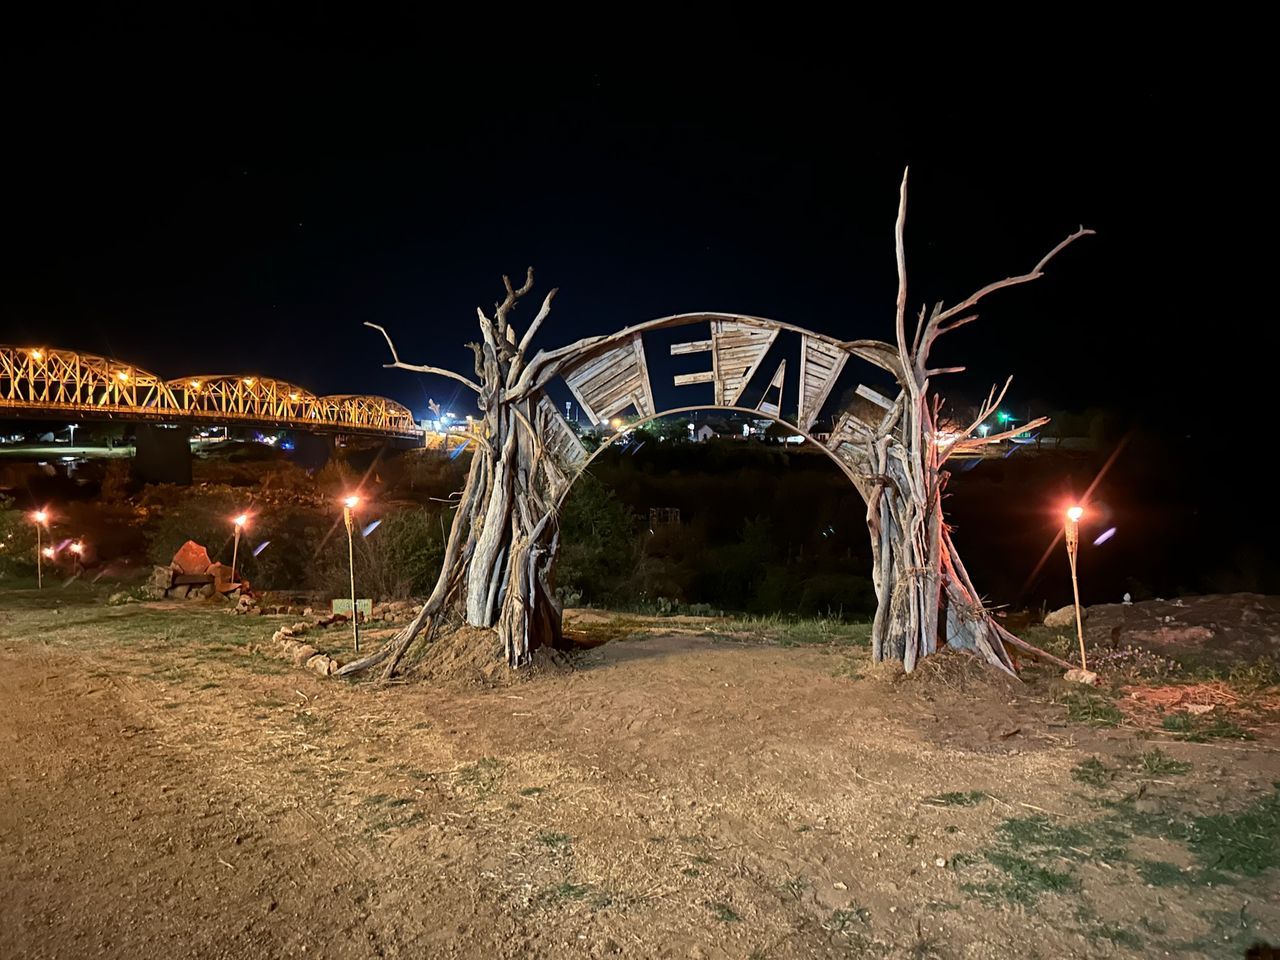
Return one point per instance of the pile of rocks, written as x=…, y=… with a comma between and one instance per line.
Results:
x=303, y=654
x=395, y=611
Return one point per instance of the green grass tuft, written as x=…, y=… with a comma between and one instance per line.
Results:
x=554, y=841
x=1208, y=726
x=1157, y=763
x=1092, y=772
x=1085, y=705
x=724, y=913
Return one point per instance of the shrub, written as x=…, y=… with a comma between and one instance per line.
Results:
x=17, y=543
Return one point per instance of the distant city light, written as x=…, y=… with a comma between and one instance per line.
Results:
x=38, y=355
x=122, y=375
x=77, y=548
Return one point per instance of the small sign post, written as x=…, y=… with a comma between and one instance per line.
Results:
x=364, y=607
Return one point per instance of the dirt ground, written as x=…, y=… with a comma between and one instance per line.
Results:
x=169, y=792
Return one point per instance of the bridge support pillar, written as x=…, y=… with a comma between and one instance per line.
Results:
x=162, y=454
x=312, y=451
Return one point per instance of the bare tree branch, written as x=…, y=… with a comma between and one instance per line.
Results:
x=1036, y=273
x=537, y=321
x=997, y=437
x=900, y=316
x=419, y=368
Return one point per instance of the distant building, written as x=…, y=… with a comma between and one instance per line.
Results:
x=709, y=429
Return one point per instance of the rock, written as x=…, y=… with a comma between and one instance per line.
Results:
x=302, y=653
x=1076, y=675
x=300, y=627
x=308, y=612
x=320, y=664
x=191, y=558
x=1065, y=617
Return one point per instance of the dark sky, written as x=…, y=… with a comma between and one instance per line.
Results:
x=239, y=198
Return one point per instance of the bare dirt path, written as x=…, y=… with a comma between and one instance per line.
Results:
x=165, y=792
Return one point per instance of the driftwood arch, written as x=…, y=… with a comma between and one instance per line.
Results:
x=497, y=569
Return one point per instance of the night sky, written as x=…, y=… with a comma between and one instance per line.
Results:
x=234, y=201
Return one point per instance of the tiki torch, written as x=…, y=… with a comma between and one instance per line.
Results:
x=239, y=522
x=348, y=505
x=40, y=518
x=1073, y=547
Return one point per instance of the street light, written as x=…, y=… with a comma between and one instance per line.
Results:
x=1073, y=546
x=239, y=522
x=41, y=519
x=348, y=505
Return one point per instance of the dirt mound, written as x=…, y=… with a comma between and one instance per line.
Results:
x=474, y=655
x=1220, y=629
x=961, y=672
x=948, y=670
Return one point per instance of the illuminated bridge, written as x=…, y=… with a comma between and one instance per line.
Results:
x=42, y=383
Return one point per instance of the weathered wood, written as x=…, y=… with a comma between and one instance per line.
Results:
x=608, y=383
x=821, y=364
x=498, y=562
x=775, y=383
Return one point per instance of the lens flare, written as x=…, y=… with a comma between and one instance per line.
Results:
x=260, y=547
x=370, y=528
x=1105, y=536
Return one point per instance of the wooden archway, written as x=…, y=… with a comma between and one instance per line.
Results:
x=498, y=562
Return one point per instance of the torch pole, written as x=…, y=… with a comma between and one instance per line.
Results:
x=39, y=560
x=1073, y=546
x=235, y=554
x=351, y=564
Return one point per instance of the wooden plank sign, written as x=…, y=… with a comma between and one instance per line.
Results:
x=609, y=382
x=364, y=606
x=739, y=348
x=820, y=366
x=779, y=378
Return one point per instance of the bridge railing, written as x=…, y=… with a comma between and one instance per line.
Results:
x=56, y=382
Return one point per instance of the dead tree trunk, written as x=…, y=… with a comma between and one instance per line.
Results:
x=497, y=566
x=924, y=595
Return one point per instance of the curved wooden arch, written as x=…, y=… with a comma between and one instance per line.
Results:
x=503, y=542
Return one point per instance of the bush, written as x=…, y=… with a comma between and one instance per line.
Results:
x=17, y=543
x=597, y=542
x=399, y=558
